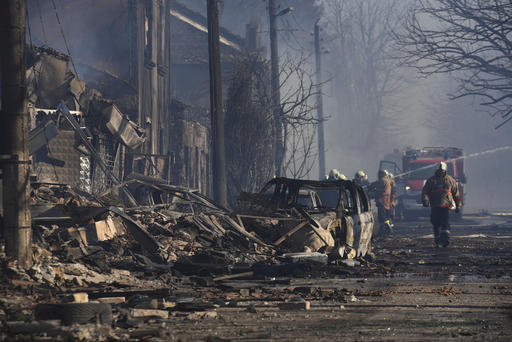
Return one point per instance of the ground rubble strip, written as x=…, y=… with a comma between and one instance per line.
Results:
x=98, y=263
x=190, y=270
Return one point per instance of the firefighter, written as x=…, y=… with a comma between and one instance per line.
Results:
x=362, y=179
x=335, y=175
x=393, y=190
x=441, y=194
x=384, y=192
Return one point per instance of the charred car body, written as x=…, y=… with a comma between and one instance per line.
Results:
x=333, y=217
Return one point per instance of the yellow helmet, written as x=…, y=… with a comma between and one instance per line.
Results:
x=334, y=174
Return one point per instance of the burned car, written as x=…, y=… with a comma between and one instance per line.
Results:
x=333, y=217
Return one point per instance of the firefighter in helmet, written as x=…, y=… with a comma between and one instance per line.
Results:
x=384, y=192
x=362, y=179
x=441, y=194
x=393, y=190
x=335, y=175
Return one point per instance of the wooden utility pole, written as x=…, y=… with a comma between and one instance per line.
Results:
x=217, y=114
x=155, y=112
x=14, y=153
x=275, y=85
x=319, y=104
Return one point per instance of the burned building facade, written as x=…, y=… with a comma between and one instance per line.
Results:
x=143, y=65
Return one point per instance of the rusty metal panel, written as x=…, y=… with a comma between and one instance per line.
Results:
x=59, y=162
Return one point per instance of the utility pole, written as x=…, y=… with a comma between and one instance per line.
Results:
x=14, y=153
x=217, y=114
x=319, y=103
x=275, y=85
x=155, y=112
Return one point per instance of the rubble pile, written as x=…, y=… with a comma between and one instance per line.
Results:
x=131, y=267
x=125, y=257
x=76, y=233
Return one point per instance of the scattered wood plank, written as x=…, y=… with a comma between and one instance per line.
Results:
x=234, y=276
x=267, y=217
x=138, y=313
x=291, y=232
x=217, y=224
x=243, y=231
x=201, y=225
x=111, y=300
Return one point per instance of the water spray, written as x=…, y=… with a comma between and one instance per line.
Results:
x=472, y=155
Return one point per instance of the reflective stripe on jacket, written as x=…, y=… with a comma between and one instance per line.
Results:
x=385, y=192
x=442, y=192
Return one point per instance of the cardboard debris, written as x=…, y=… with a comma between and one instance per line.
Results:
x=106, y=229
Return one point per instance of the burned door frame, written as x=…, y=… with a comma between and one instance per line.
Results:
x=358, y=224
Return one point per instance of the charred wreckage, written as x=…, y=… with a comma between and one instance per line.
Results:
x=111, y=233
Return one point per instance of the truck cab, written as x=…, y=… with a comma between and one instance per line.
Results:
x=417, y=166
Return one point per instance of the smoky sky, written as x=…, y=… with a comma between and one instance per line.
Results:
x=418, y=113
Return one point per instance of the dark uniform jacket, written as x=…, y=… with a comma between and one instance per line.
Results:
x=442, y=192
x=385, y=192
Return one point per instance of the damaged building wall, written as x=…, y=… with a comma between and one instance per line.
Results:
x=58, y=154
x=153, y=73
x=124, y=56
x=193, y=154
x=49, y=82
x=129, y=56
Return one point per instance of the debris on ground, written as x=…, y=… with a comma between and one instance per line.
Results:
x=106, y=272
x=99, y=262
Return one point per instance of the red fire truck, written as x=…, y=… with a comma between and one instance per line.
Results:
x=417, y=166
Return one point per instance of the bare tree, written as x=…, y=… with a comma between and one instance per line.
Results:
x=363, y=68
x=298, y=114
x=249, y=123
x=248, y=127
x=298, y=94
x=469, y=38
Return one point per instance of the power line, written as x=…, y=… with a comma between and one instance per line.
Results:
x=42, y=23
x=28, y=26
x=64, y=37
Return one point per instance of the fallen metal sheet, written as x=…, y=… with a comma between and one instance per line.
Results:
x=49, y=213
x=76, y=127
x=146, y=240
x=41, y=135
x=122, y=128
x=50, y=79
x=312, y=222
x=244, y=232
x=183, y=193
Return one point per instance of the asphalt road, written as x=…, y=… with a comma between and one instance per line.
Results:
x=412, y=292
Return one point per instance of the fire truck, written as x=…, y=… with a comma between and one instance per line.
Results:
x=417, y=165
